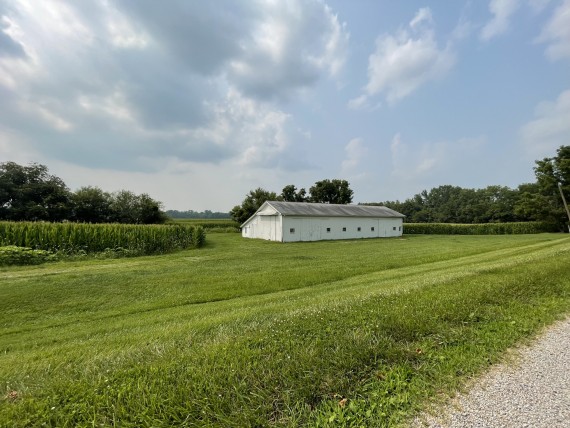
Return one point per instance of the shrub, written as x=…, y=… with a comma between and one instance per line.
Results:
x=13, y=255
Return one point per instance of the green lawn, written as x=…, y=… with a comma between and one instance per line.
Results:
x=254, y=333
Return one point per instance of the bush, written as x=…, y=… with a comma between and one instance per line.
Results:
x=478, y=229
x=13, y=255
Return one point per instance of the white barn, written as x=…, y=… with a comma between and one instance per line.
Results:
x=303, y=221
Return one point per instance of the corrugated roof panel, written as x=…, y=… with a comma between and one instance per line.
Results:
x=333, y=210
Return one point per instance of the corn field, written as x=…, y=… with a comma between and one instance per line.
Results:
x=478, y=229
x=209, y=225
x=92, y=238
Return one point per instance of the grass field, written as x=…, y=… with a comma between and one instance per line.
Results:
x=255, y=333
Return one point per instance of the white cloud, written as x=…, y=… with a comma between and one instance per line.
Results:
x=538, y=6
x=409, y=163
x=363, y=102
x=112, y=106
x=464, y=27
x=502, y=10
x=403, y=62
x=123, y=33
x=422, y=16
x=46, y=114
x=356, y=152
x=556, y=33
x=257, y=133
x=145, y=82
x=358, y=102
x=435, y=162
x=336, y=45
x=551, y=128
x=289, y=48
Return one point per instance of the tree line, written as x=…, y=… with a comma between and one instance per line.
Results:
x=31, y=193
x=539, y=201
x=207, y=214
x=326, y=191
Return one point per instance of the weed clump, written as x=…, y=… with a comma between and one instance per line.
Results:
x=13, y=255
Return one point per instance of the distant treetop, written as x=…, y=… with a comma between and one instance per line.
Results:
x=207, y=214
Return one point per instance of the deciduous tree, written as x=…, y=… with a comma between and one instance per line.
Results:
x=31, y=193
x=290, y=194
x=127, y=207
x=549, y=172
x=253, y=200
x=331, y=192
x=91, y=205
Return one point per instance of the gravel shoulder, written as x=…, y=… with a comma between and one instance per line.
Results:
x=531, y=390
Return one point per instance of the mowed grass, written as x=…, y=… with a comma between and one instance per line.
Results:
x=254, y=333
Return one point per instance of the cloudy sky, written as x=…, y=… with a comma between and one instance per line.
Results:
x=197, y=102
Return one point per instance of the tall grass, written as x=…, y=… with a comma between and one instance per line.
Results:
x=90, y=238
x=478, y=229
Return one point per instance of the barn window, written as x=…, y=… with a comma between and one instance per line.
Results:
x=394, y=228
x=358, y=228
x=400, y=228
x=328, y=229
x=344, y=229
x=292, y=230
x=372, y=229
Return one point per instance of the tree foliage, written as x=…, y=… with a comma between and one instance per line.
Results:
x=331, y=192
x=31, y=193
x=290, y=194
x=538, y=201
x=549, y=172
x=127, y=207
x=91, y=205
x=452, y=204
x=253, y=200
x=325, y=191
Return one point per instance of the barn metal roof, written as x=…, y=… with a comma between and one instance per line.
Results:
x=332, y=210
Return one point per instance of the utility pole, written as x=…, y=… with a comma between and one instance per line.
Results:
x=565, y=204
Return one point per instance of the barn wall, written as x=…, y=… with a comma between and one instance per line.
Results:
x=317, y=228
x=391, y=227
x=263, y=227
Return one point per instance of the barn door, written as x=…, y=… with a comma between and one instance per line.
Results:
x=311, y=230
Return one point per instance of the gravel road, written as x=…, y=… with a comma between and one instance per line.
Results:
x=532, y=391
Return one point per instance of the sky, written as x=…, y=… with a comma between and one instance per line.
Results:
x=198, y=102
